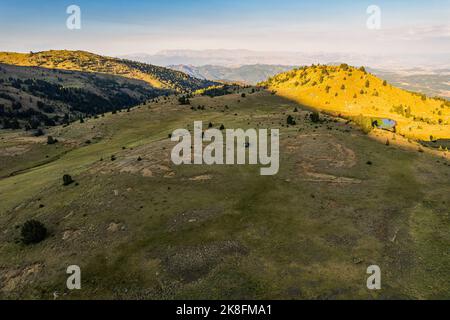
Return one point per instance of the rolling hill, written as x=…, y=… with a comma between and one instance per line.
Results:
x=54, y=87
x=32, y=97
x=353, y=92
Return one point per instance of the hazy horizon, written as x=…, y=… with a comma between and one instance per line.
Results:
x=115, y=28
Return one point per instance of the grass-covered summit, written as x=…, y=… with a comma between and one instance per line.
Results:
x=351, y=91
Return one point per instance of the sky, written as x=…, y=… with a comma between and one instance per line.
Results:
x=119, y=27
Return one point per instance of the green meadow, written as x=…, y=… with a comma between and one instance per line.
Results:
x=140, y=227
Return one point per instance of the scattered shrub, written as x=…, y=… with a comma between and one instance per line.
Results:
x=365, y=123
x=33, y=231
x=67, y=179
x=291, y=121
x=183, y=100
x=344, y=66
x=51, y=140
x=314, y=116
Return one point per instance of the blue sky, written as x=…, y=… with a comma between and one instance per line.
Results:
x=134, y=26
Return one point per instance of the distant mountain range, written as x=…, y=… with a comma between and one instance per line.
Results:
x=432, y=82
x=235, y=58
x=248, y=74
x=415, y=73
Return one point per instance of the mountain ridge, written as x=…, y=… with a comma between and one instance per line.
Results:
x=158, y=77
x=59, y=86
x=248, y=74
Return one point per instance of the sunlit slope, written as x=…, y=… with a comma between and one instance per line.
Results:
x=352, y=92
x=158, y=77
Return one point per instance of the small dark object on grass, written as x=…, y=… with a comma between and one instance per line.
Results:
x=51, y=140
x=113, y=158
x=314, y=116
x=290, y=120
x=33, y=231
x=67, y=179
x=369, y=163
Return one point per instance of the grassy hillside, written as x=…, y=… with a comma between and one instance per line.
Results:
x=54, y=87
x=350, y=91
x=142, y=228
x=157, y=77
x=33, y=97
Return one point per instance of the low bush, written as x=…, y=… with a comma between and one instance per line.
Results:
x=33, y=231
